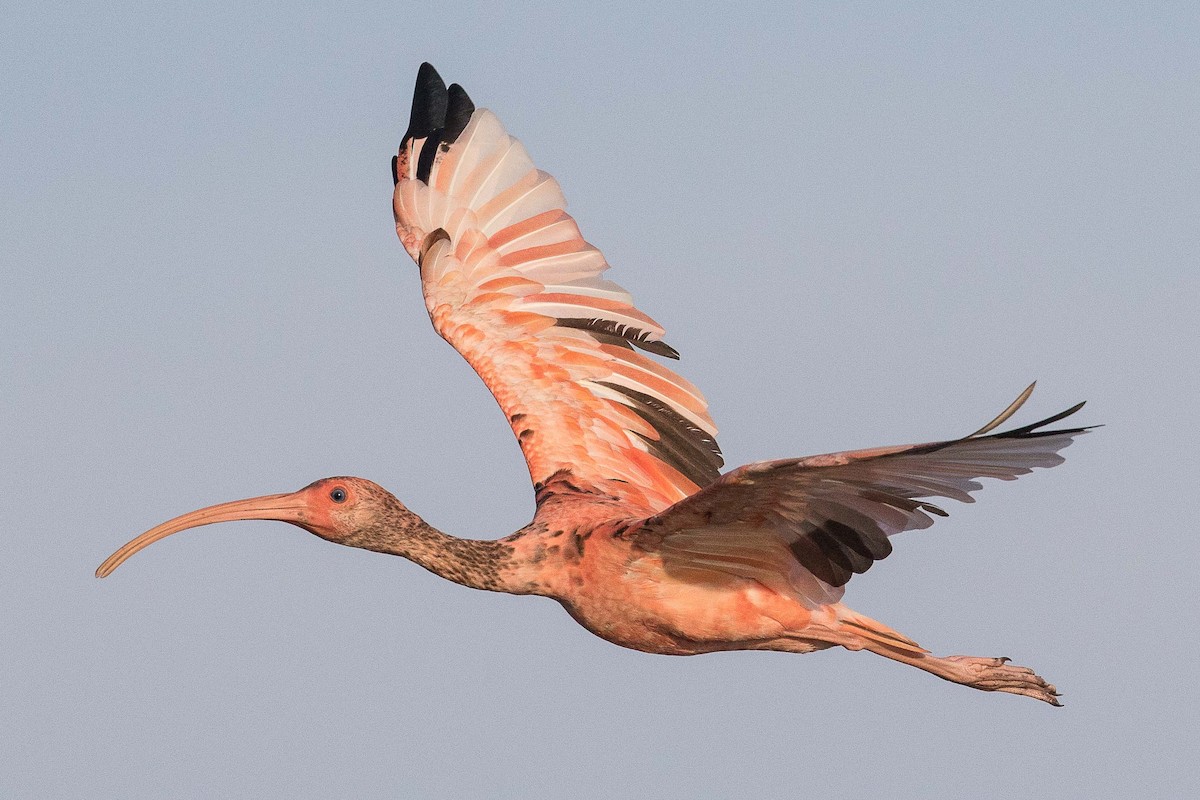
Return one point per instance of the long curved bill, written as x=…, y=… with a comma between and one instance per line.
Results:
x=281, y=507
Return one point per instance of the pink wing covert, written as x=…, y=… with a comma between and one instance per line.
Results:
x=510, y=282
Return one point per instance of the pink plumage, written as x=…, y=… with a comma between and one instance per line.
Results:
x=636, y=533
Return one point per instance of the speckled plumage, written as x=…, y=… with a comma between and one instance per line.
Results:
x=636, y=533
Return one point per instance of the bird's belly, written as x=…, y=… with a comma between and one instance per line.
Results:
x=686, y=619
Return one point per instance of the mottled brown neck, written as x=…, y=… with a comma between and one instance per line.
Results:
x=480, y=564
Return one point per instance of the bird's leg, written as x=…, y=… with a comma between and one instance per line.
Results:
x=988, y=674
x=856, y=632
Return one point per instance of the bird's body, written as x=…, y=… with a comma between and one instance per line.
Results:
x=636, y=533
x=599, y=568
x=574, y=560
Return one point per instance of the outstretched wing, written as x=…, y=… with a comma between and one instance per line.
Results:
x=510, y=282
x=806, y=525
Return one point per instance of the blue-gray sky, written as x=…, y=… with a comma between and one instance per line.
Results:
x=859, y=226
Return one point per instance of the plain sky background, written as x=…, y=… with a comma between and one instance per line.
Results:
x=860, y=227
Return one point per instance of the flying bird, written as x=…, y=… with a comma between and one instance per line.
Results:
x=637, y=533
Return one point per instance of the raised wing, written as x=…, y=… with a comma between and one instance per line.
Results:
x=510, y=282
x=805, y=526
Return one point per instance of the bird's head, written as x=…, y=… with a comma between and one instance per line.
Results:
x=345, y=510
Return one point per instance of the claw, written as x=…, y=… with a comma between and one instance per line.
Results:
x=997, y=675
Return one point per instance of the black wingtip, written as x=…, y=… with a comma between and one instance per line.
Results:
x=1034, y=430
x=430, y=100
x=458, y=113
x=659, y=348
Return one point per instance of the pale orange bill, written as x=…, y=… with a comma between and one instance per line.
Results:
x=282, y=507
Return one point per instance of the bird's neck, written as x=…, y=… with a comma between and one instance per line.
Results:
x=479, y=564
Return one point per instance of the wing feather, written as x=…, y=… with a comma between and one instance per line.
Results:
x=831, y=515
x=510, y=282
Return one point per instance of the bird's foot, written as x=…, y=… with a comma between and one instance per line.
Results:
x=998, y=675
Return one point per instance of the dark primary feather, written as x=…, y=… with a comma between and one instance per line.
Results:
x=681, y=444
x=438, y=116
x=458, y=113
x=607, y=330
x=429, y=103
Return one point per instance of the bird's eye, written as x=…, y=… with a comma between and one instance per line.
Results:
x=338, y=495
